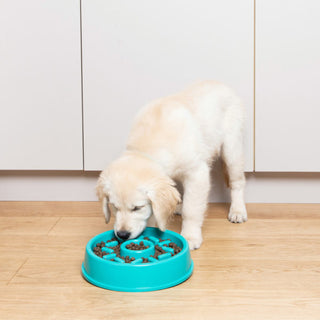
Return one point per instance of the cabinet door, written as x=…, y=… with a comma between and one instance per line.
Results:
x=136, y=51
x=287, y=85
x=40, y=85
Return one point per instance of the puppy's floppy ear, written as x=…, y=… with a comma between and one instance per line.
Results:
x=103, y=197
x=164, y=198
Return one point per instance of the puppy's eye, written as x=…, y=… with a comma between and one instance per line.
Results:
x=137, y=208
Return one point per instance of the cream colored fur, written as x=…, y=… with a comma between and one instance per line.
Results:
x=176, y=139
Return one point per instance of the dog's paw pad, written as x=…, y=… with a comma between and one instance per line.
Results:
x=237, y=216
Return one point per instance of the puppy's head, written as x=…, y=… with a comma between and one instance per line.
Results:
x=133, y=188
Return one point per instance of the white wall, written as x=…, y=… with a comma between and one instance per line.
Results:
x=79, y=186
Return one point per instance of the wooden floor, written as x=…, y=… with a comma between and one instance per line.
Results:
x=267, y=268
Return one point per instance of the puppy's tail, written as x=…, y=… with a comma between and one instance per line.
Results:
x=225, y=174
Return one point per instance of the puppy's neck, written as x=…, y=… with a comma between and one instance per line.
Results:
x=145, y=155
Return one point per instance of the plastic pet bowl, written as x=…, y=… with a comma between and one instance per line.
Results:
x=164, y=271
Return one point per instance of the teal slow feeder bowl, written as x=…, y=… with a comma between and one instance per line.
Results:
x=113, y=273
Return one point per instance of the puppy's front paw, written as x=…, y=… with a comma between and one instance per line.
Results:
x=237, y=215
x=194, y=241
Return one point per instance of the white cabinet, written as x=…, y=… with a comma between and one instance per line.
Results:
x=40, y=85
x=136, y=51
x=287, y=85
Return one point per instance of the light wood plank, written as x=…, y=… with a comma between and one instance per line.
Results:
x=43, y=245
x=175, y=303
x=9, y=266
x=35, y=271
x=50, y=208
x=26, y=225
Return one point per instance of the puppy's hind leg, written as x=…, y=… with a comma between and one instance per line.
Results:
x=232, y=155
x=196, y=189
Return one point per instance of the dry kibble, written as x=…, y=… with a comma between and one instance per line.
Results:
x=97, y=250
x=135, y=246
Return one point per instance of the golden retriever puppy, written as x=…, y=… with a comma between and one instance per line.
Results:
x=175, y=140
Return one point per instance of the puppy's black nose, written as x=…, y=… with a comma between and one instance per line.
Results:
x=123, y=234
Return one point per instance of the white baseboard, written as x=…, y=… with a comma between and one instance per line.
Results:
x=271, y=187
x=80, y=186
